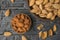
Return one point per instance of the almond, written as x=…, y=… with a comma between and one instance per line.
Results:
x=7, y=13
x=7, y=34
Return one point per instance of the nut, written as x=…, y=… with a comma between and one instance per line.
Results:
x=38, y=2
x=56, y=6
x=54, y=28
x=7, y=13
x=44, y=35
x=53, y=17
x=48, y=5
x=31, y=2
x=12, y=1
x=40, y=34
x=24, y=38
x=58, y=13
x=7, y=34
x=51, y=1
x=57, y=1
x=49, y=15
x=50, y=32
x=40, y=27
x=45, y=2
x=41, y=6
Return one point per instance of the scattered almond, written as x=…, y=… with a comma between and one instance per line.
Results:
x=40, y=34
x=24, y=38
x=44, y=35
x=12, y=1
x=50, y=32
x=7, y=34
x=7, y=13
x=40, y=27
x=54, y=28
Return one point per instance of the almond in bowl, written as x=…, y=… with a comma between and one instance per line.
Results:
x=21, y=23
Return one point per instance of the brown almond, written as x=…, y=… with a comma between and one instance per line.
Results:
x=58, y=13
x=7, y=34
x=24, y=38
x=54, y=28
x=44, y=35
x=45, y=2
x=50, y=32
x=57, y=1
x=40, y=34
x=49, y=15
x=31, y=2
x=7, y=13
x=12, y=1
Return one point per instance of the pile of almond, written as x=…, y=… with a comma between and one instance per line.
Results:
x=49, y=9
